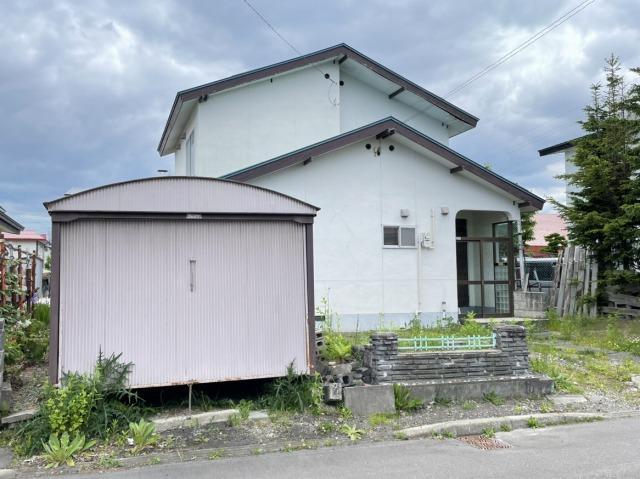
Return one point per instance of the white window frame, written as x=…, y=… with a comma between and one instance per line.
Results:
x=190, y=159
x=399, y=245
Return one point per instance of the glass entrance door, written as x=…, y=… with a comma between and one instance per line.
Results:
x=485, y=267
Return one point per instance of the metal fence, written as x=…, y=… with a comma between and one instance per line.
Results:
x=447, y=343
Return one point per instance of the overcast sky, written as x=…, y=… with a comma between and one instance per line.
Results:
x=85, y=87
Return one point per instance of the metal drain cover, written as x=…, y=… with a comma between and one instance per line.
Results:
x=483, y=442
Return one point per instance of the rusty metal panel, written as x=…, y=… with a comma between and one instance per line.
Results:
x=201, y=301
x=178, y=194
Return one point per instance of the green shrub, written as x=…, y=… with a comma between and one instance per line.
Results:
x=61, y=451
x=404, y=400
x=294, y=392
x=533, y=423
x=68, y=408
x=336, y=347
x=95, y=405
x=489, y=432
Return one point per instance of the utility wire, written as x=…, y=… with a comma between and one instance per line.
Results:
x=507, y=56
x=281, y=37
x=553, y=25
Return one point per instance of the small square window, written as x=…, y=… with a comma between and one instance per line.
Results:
x=408, y=237
x=391, y=236
x=399, y=236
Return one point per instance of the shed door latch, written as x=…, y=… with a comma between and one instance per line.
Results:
x=192, y=274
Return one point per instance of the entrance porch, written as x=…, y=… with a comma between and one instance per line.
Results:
x=485, y=263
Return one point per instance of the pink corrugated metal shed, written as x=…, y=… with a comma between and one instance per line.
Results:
x=191, y=279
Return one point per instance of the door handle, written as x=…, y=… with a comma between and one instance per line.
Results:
x=192, y=274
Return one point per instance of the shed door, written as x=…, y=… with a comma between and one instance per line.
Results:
x=185, y=301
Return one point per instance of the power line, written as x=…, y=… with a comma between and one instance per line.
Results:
x=273, y=29
x=507, y=56
x=281, y=37
x=553, y=25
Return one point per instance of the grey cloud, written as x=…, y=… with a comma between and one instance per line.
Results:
x=85, y=88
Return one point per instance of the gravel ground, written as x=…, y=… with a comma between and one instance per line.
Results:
x=26, y=391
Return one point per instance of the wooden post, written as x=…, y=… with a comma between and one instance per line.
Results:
x=3, y=279
x=33, y=278
x=594, y=284
x=563, y=277
x=19, y=302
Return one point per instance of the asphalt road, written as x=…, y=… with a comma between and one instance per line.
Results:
x=604, y=449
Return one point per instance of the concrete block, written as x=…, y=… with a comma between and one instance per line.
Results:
x=462, y=389
x=201, y=419
x=19, y=416
x=367, y=400
x=562, y=400
x=332, y=392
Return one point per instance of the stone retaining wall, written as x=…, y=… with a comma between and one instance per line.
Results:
x=387, y=365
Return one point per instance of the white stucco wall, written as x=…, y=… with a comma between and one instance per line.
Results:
x=253, y=123
x=569, y=168
x=249, y=124
x=361, y=104
x=358, y=193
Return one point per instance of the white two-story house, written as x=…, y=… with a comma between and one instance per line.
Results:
x=408, y=227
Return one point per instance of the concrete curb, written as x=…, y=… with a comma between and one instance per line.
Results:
x=202, y=419
x=466, y=427
x=7, y=473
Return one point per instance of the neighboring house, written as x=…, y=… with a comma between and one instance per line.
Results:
x=408, y=227
x=568, y=148
x=8, y=224
x=37, y=244
x=546, y=224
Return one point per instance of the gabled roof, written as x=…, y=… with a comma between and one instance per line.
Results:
x=339, y=53
x=7, y=223
x=461, y=163
x=565, y=145
x=26, y=235
x=172, y=195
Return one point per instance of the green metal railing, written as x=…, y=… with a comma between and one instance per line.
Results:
x=447, y=343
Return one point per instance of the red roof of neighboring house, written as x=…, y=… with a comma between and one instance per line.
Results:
x=547, y=223
x=26, y=235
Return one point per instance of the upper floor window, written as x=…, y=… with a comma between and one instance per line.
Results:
x=190, y=154
x=399, y=236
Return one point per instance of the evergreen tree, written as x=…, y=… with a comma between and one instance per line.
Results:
x=603, y=214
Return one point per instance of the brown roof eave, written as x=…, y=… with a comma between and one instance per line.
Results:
x=341, y=50
x=527, y=198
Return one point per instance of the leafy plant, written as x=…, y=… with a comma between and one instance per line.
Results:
x=505, y=427
x=68, y=407
x=294, y=392
x=404, y=400
x=489, y=432
x=352, y=432
x=336, y=348
x=60, y=451
x=493, y=398
x=345, y=412
x=533, y=423
x=143, y=434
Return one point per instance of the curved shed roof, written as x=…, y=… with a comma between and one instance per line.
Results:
x=181, y=194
